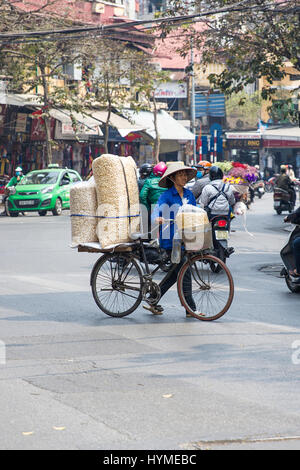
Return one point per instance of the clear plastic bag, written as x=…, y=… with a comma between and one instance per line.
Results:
x=194, y=226
x=190, y=217
x=176, y=248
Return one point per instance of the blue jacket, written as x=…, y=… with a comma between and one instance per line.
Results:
x=167, y=207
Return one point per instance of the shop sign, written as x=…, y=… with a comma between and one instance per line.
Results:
x=21, y=122
x=65, y=131
x=279, y=143
x=68, y=129
x=236, y=136
x=171, y=90
x=244, y=143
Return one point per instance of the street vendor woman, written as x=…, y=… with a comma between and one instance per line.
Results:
x=174, y=179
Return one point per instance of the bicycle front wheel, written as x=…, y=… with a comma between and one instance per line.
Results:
x=205, y=294
x=116, y=282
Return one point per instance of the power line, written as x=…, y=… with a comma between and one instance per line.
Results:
x=100, y=29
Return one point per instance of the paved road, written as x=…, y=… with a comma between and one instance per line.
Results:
x=75, y=378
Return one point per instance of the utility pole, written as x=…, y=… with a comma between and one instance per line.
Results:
x=193, y=119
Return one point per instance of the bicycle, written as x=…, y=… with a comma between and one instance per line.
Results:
x=120, y=283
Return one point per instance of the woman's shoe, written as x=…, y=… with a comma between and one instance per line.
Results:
x=155, y=309
x=189, y=315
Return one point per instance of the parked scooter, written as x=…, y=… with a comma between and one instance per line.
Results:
x=288, y=259
x=259, y=189
x=283, y=201
x=220, y=232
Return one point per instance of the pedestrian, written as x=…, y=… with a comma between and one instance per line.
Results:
x=217, y=197
x=203, y=179
x=294, y=218
x=174, y=179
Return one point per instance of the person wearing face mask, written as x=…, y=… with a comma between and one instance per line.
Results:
x=17, y=178
x=203, y=179
x=13, y=182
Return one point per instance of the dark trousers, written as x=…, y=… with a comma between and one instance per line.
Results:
x=296, y=249
x=171, y=279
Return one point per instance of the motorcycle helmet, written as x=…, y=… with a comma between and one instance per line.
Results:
x=146, y=170
x=18, y=169
x=204, y=164
x=215, y=173
x=159, y=169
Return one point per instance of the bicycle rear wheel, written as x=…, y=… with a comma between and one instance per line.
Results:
x=212, y=292
x=116, y=282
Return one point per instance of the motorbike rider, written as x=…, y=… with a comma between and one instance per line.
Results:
x=203, y=168
x=294, y=218
x=290, y=172
x=17, y=178
x=13, y=182
x=145, y=171
x=217, y=197
x=174, y=179
x=151, y=190
x=284, y=182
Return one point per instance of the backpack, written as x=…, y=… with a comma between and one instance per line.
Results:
x=214, y=198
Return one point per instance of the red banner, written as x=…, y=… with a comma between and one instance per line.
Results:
x=38, y=131
x=132, y=136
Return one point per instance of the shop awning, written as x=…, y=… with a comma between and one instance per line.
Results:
x=120, y=123
x=13, y=99
x=168, y=127
x=209, y=105
x=287, y=133
x=86, y=125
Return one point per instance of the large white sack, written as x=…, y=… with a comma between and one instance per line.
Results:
x=83, y=208
x=118, y=198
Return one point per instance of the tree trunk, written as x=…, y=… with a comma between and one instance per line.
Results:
x=46, y=118
x=48, y=139
x=106, y=132
x=157, y=137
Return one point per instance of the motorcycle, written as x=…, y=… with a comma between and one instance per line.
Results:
x=259, y=189
x=3, y=193
x=7, y=192
x=220, y=233
x=283, y=201
x=157, y=256
x=288, y=259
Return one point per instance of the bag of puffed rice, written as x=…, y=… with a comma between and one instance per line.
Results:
x=118, y=199
x=195, y=228
x=83, y=208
